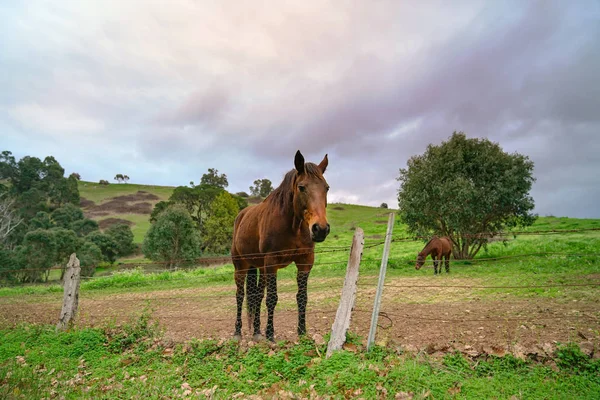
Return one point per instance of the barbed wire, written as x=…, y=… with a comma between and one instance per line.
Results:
x=489, y=235
x=490, y=319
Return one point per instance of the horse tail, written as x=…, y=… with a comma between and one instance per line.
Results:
x=252, y=294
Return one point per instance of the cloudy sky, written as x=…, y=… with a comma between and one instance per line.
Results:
x=163, y=90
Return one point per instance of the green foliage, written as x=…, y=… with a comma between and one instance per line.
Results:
x=123, y=238
x=64, y=216
x=158, y=208
x=197, y=201
x=213, y=178
x=218, y=232
x=41, y=220
x=132, y=361
x=66, y=243
x=173, y=237
x=466, y=189
x=106, y=244
x=261, y=187
x=570, y=358
x=84, y=227
x=37, y=255
x=89, y=255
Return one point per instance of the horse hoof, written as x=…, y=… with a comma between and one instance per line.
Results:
x=237, y=338
x=257, y=337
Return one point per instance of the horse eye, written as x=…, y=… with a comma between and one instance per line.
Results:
x=327, y=188
x=302, y=188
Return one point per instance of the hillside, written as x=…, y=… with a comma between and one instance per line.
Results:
x=122, y=202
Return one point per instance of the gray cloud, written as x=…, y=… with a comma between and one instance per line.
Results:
x=169, y=91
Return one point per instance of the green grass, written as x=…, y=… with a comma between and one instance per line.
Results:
x=100, y=193
x=132, y=362
x=141, y=224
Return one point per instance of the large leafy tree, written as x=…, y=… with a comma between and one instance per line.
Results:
x=261, y=187
x=89, y=256
x=84, y=227
x=196, y=201
x=66, y=243
x=466, y=189
x=213, y=178
x=37, y=255
x=172, y=238
x=106, y=244
x=65, y=216
x=219, y=227
x=123, y=237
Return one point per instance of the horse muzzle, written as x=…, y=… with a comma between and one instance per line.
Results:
x=319, y=233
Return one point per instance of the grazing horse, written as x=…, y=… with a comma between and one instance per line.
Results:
x=273, y=234
x=438, y=248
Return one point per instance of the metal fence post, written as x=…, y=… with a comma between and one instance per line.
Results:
x=382, y=270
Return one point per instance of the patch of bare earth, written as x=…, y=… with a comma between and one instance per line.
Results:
x=85, y=203
x=139, y=203
x=108, y=222
x=434, y=320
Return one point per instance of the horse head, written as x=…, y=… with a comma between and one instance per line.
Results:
x=310, y=196
x=420, y=261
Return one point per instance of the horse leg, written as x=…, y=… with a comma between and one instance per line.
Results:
x=301, y=298
x=258, y=297
x=271, y=302
x=240, y=277
x=435, y=266
x=447, y=263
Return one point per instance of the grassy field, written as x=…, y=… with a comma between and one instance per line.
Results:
x=100, y=193
x=132, y=362
x=111, y=353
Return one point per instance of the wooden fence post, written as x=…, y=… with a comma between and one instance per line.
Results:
x=71, y=294
x=382, y=270
x=344, y=311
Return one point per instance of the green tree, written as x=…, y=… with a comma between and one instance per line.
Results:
x=158, y=208
x=213, y=178
x=172, y=238
x=196, y=201
x=123, y=237
x=41, y=220
x=466, y=189
x=83, y=227
x=261, y=187
x=219, y=227
x=64, y=216
x=106, y=244
x=37, y=255
x=66, y=243
x=89, y=256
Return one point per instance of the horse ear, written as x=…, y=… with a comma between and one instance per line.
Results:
x=323, y=164
x=299, y=162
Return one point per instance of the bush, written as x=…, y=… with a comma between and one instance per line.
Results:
x=172, y=238
x=383, y=205
x=103, y=182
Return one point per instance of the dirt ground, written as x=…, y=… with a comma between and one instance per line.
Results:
x=432, y=320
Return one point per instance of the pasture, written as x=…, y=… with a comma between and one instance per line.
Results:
x=496, y=326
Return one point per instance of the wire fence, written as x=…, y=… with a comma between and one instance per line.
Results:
x=408, y=311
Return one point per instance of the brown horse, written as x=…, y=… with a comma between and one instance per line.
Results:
x=438, y=248
x=273, y=234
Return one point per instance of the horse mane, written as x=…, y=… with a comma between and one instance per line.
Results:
x=428, y=243
x=282, y=197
